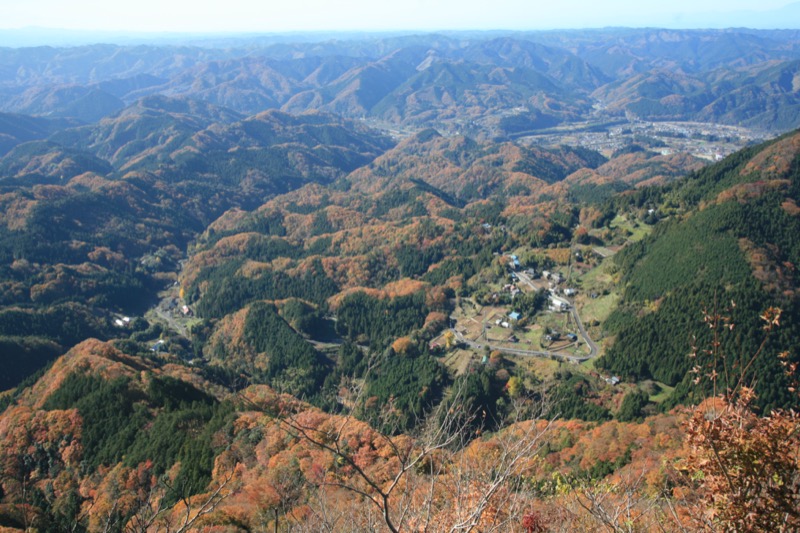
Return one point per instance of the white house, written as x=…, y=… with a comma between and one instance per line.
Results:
x=558, y=304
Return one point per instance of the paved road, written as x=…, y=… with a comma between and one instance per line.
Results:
x=172, y=323
x=520, y=351
x=589, y=342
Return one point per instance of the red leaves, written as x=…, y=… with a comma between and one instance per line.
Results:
x=533, y=523
x=748, y=466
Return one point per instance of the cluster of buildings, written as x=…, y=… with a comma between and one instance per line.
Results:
x=706, y=140
x=174, y=306
x=512, y=289
x=122, y=322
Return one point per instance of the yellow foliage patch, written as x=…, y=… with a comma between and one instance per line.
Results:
x=559, y=255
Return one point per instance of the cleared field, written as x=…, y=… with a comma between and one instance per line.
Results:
x=638, y=230
x=666, y=392
x=543, y=368
x=598, y=276
x=458, y=361
x=598, y=308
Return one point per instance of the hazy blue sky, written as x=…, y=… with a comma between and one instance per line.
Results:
x=311, y=15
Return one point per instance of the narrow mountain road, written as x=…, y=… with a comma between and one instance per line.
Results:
x=582, y=330
x=519, y=351
x=171, y=322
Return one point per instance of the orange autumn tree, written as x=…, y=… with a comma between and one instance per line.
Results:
x=745, y=468
x=438, y=480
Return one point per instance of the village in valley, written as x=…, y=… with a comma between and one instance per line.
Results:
x=543, y=309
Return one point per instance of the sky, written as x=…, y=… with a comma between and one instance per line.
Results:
x=222, y=16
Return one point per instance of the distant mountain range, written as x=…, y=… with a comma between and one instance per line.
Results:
x=458, y=82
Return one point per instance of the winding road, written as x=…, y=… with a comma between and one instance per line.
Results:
x=519, y=351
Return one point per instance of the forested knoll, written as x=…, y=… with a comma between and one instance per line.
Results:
x=88, y=444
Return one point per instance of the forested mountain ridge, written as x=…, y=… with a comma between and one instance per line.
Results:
x=96, y=219
x=87, y=444
x=730, y=249
x=16, y=129
x=730, y=76
x=470, y=170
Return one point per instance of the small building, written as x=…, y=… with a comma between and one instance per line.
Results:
x=119, y=323
x=570, y=292
x=558, y=304
x=613, y=380
x=186, y=311
x=514, y=316
x=572, y=337
x=505, y=324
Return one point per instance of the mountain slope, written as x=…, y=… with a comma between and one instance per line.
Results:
x=96, y=219
x=731, y=253
x=468, y=169
x=16, y=129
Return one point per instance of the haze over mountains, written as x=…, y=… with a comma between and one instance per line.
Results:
x=741, y=77
x=35, y=25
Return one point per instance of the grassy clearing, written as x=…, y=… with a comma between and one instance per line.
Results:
x=599, y=308
x=657, y=391
x=457, y=361
x=636, y=231
x=541, y=367
x=666, y=392
x=598, y=276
